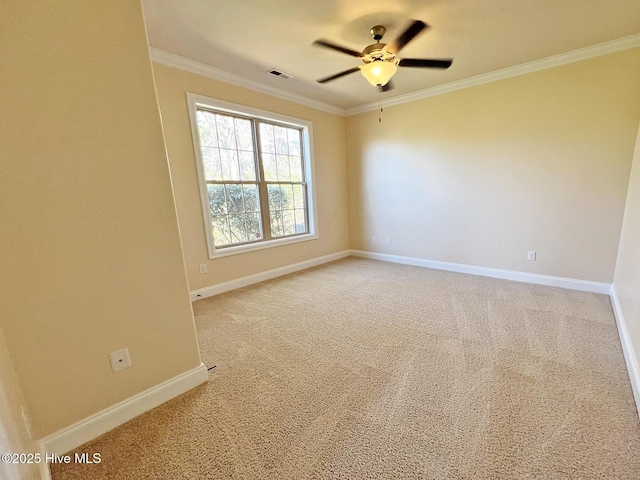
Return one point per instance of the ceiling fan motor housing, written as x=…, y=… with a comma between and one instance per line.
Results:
x=378, y=32
x=376, y=52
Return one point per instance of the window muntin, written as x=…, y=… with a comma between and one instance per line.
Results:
x=255, y=178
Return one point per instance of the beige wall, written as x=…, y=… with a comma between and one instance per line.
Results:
x=627, y=277
x=91, y=256
x=330, y=170
x=482, y=175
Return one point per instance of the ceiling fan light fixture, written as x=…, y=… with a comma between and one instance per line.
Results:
x=378, y=73
x=380, y=59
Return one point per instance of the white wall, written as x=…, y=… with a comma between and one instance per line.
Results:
x=626, y=283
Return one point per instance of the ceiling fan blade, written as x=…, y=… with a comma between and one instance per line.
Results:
x=405, y=37
x=425, y=62
x=338, y=75
x=333, y=46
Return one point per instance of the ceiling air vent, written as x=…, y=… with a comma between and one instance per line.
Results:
x=278, y=73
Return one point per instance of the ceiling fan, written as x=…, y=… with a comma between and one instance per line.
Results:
x=380, y=61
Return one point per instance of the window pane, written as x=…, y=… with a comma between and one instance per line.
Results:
x=235, y=212
x=275, y=193
x=298, y=196
x=277, y=222
x=280, y=196
x=266, y=138
x=286, y=164
x=226, y=131
x=254, y=230
x=300, y=220
x=287, y=196
x=281, y=142
x=243, y=134
x=217, y=201
x=281, y=209
x=229, y=161
x=269, y=167
x=251, y=204
x=295, y=167
x=288, y=222
x=293, y=136
x=247, y=166
x=283, y=168
x=220, y=230
x=237, y=228
x=235, y=202
x=211, y=162
x=207, y=129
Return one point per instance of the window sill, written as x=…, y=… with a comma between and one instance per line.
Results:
x=226, y=252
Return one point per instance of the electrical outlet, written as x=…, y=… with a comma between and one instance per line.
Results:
x=388, y=240
x=531, y=255
x=203, y=268
x=120, y=359
x=373, y=239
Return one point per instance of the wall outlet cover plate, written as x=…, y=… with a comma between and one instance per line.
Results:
x=120, y=359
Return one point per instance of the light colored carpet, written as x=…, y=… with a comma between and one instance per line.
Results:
x=366, y=370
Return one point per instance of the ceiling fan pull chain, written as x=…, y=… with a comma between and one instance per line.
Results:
x=380, y=113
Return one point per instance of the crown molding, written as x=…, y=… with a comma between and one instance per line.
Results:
x=177, y=61
x=612, y=46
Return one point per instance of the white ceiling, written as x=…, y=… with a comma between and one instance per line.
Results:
x=248, y=37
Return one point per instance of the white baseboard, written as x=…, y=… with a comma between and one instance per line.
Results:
x=262, y=276
x=92, y=427
x=627, y=348
x=45, y=473
x=570, y=283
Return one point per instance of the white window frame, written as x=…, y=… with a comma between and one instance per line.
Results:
x=194, y=101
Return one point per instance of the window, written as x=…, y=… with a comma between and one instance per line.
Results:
x=255, y=176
